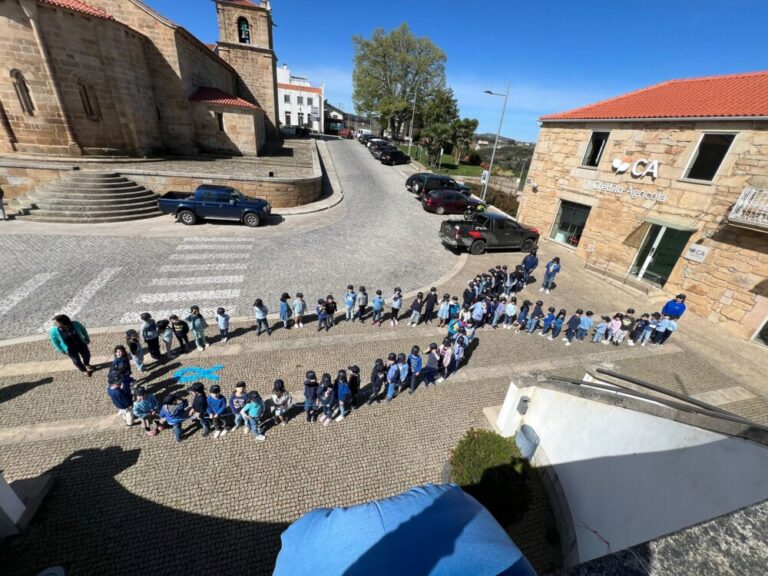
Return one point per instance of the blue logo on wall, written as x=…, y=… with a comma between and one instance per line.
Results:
x=195, y=373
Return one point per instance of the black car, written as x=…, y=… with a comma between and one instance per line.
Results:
x=411, y=180
x=427, y=181
x=377, y=151
x=488, y=230
x=393, y=157
x=364, y=138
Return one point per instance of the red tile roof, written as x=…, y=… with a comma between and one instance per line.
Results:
x=735, y=95
x=209, y=95
x=245, y=3
x=80, y=6
x=299, y=87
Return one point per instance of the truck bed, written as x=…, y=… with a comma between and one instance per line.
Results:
x=178, y=196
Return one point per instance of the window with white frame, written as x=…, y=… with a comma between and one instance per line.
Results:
x=287, y=98
x=709, y=156
x=309, y=101
x=299, y=99
x=595, y=149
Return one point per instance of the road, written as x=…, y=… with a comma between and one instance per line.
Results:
x=108, y=274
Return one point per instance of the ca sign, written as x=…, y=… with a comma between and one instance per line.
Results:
x=638, y=168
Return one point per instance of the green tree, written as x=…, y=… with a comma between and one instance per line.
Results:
x=438, y=114
x=388, y=68
x=462, y=132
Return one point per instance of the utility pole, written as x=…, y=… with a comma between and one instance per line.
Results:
x=413, y=116
x=496, y=142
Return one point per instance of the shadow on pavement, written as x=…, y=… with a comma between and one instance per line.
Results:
x=15, y=390
x=91, y=524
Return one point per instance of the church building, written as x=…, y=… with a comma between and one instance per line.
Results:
x=114, y=77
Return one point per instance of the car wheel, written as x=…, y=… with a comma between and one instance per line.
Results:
x=187, y=217
x=478, y=247
x=440, y=211
x=251, y=220
x=527, y=245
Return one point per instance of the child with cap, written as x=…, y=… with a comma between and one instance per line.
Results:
x=415, y=364
x=378, y=378
x=284, y=310
x=173, y=413
x=119, y=391
x=322, y=316
x=353, y=377
x=237, y=400
x=281, y=402
x=310, y=395
x=327, y=399
x=429, y=305
x=146, y=408
x=198, y=410
x=217, y=407
x=253, y=411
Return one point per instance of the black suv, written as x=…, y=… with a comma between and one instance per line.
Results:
x=425, y=181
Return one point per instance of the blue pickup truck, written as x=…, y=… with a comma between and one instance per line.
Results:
x=214, y=203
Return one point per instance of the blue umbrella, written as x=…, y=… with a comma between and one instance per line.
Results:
x=432, y=529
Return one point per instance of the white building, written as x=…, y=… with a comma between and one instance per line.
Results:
x=299, y=103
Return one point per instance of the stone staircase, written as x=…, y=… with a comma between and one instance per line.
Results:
x=88, y=197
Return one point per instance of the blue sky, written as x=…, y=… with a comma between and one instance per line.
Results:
x=556, y=54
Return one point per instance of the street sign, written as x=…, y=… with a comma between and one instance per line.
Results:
x=484, y=177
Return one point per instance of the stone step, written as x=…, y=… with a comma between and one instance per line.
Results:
x=110, y=195
x=94, y=175
x=36, y=217
x=70, y=184
x=69, y=206
x=86, y=201
x=99, y=211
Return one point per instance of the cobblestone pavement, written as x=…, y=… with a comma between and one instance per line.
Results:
x=378, y=237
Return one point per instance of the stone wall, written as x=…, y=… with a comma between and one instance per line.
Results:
x=502, y=183
x=731, y=285
x=243, y=131
x=16, y=181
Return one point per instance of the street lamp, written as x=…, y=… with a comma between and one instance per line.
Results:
x=496, y=142
x=413, y=116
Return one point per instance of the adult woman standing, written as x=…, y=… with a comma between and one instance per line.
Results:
x=70, y=337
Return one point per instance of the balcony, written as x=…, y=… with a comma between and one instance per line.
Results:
x=751, y=209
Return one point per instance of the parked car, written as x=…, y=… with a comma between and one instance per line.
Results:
x=411, y=180
x=488, y=230
x=376, y=141
x=448, y=202
x=364, y=138
x=345, y=133
x=393, y=157
x=288, y=130
x=377, y=151
x=214, y=203
x=428, y=181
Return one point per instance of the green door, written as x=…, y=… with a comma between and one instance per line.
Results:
x=659, y=254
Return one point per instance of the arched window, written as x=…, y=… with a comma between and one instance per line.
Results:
x=90, y=104
x=243, y=31
x=22, y=92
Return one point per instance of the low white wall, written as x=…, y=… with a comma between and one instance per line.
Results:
x=630, y=477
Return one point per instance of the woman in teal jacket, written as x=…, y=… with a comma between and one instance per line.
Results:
x=70, y=338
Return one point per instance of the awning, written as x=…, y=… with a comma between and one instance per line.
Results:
x=216, y=97
x=675, y=221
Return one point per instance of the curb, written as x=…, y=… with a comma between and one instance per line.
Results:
x=336, y=196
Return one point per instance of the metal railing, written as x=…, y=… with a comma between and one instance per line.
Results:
x=751, y=209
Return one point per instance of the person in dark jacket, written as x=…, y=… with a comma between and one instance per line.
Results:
x=120, y=369
x=326, y=395
x=573, y=325
x=216, y=409
x=378, y=378
x=674, y=308
x=237, y=400
x=150, y=335
x=469, y=295
x=119, y=391
x=353, y=377
x=415, y=365
x=173, y=413
x=393, y=376
x=70, y=338
x=343, y=393
x=310, y=396
x=429, y=305
x=199, y=409
x=181, y=331
x=530, y=263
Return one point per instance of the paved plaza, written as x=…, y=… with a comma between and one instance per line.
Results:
x=124, y=503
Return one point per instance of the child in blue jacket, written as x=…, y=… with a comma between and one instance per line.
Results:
x=349, y=302
x=327, y=398
x=119, y=391
x=510, y=312
x=414, y=364
x=173, y=413
x=217, y=408
x=377, y=304
x=546, y=324
x=343, y=393
x=252, y=412
x=522, y=316
x=222, y=319
x=299, y=308
x=322, y=316
x=573, y=326
x=601, y=329
x=444, y=311
x=557, y=325
x=536, y=316
x=284, y=310
x=396, y=304
x=146, y=408
x=585, y=325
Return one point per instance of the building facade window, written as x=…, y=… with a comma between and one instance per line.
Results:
x=569, y=223
x=309, y=101
x=220, y=121
x=22, y=92
x=90, y=104
x=708, y=156
x=287, y=98
x=300, y=100
x=595, y=149
x=243, y=31
x=287, y=118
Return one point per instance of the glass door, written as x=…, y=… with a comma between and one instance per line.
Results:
x=659, y=254
x=569, y=223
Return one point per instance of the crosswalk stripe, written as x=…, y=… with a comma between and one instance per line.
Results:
x=203, y=239
x=201, y=267
x=187, y=281
x=187, y=296
x=222, y=256
x=23, y=291
x=201, y=246
x=84, y=295
x=135, y=317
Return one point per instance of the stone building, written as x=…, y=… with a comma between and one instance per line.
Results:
x=115, y=77
x=665, y=188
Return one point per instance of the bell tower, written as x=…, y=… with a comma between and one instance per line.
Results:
x=245, y=43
